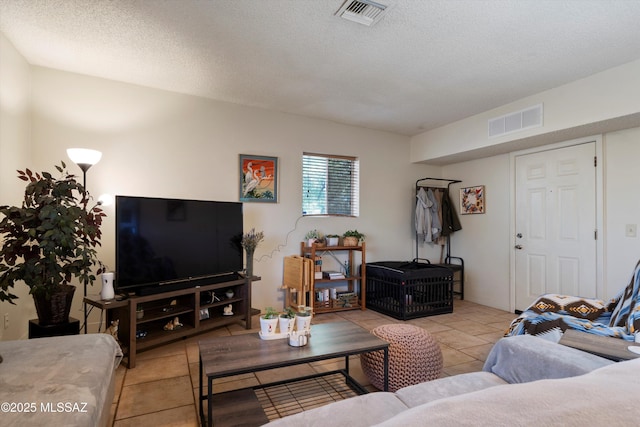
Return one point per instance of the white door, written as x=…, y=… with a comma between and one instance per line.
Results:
x=555, y=242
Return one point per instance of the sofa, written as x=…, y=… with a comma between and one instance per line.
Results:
x=552, y=314
x=58, y=381
x=526, y=381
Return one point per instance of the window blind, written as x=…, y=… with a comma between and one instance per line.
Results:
x=330, y=185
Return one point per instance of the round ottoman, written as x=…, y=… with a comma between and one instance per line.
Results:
x=414, y=357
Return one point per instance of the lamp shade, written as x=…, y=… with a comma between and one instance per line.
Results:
x=84, y=157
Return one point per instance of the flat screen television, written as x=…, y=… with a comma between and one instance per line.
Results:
x=167, y=244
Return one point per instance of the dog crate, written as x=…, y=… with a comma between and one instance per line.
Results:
x=407, y=290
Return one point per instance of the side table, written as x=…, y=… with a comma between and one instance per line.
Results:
x=607, y=347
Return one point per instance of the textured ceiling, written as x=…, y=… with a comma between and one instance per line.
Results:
x=423, y=65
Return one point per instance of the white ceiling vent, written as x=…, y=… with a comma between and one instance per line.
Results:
x=365, y=12
x=520, y=120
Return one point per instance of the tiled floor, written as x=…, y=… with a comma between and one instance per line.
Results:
x=162, y=389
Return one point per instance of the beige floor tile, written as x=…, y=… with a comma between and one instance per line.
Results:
x=171, y=349
x=479, y=352
x=119, y=381
x=281, y=374
x=163, y=388
x=457, y=339
x=158, y=368
x=155, y=396
x=471, y=327
x=453, y=357
x=184, y=416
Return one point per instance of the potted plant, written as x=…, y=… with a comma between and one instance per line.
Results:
x=139, y=312
x=49, y=240
x=312, y=236
x=285, y=321
x=352, y=238
x=303, y=320
x=268, y=322
x=332, y=239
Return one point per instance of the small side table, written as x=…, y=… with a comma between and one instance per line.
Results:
x=610, y=348
x=36, y=330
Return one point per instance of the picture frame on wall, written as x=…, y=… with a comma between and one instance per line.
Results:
x=258, y=179
x=472, y=200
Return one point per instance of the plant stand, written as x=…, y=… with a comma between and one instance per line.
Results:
x=36, y=330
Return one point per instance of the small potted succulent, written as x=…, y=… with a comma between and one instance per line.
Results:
x=285, y=321
x=352, y=238
x=303, y=319
x=312, y=236
x=268, y=322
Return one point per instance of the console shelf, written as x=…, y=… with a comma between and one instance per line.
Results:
x=192, y=306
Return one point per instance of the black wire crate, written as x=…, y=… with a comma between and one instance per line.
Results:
x=409, y=289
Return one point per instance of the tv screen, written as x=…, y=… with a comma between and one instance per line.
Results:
x=161, y=243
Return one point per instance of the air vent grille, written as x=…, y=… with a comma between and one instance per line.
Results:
x=365, y=12
x=514, y=122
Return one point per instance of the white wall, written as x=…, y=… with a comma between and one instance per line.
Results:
x=163, y=144
x=15, y=153
x=482, y=240
x=601, y=97
x=622, y=206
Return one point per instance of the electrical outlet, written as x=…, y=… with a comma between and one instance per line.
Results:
x=6, y=320
x=630, y=230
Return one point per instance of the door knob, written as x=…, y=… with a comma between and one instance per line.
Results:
x=518, y=246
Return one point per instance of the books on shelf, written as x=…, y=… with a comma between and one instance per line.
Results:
x=333, y=275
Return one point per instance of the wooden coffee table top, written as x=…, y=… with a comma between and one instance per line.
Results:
x=243, y=353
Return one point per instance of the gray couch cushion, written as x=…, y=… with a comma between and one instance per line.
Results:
x=524, y=358
x=604, y=397
x=445, y=387
x=360, y=411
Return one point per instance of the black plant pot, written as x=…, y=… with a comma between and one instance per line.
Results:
x=53, y=309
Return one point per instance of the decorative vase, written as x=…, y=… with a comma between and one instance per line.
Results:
x=249, y=268
x=107, y=291
x=54, y=308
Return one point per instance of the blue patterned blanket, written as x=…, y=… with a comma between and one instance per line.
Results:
x=619, y=318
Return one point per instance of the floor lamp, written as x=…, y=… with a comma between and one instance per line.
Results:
x=84, y=158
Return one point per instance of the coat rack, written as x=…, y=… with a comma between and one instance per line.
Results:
x=459, y=265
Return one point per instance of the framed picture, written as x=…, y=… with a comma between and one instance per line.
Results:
x=472, y=200
x=204, y=313
x=258, y=179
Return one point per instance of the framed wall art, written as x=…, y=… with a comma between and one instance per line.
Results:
x=258, y=179
x=472, y=200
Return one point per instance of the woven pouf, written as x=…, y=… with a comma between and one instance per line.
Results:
x=414, y=357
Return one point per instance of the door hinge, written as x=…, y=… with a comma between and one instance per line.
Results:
x=595, y=161
x=595, y=235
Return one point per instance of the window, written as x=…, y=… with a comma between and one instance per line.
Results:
x=330, y=185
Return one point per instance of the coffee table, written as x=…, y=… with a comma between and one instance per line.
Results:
x=247, y=353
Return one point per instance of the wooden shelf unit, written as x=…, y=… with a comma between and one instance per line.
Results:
x=159, y=310
x=356, y=283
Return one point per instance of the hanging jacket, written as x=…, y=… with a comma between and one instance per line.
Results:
x=423, y=216
x=450, y=221
x=434, y=210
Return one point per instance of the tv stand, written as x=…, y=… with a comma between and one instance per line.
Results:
x=194, y=308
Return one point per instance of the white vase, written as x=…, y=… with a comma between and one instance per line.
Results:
x=107, y=291
x=268, y=326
